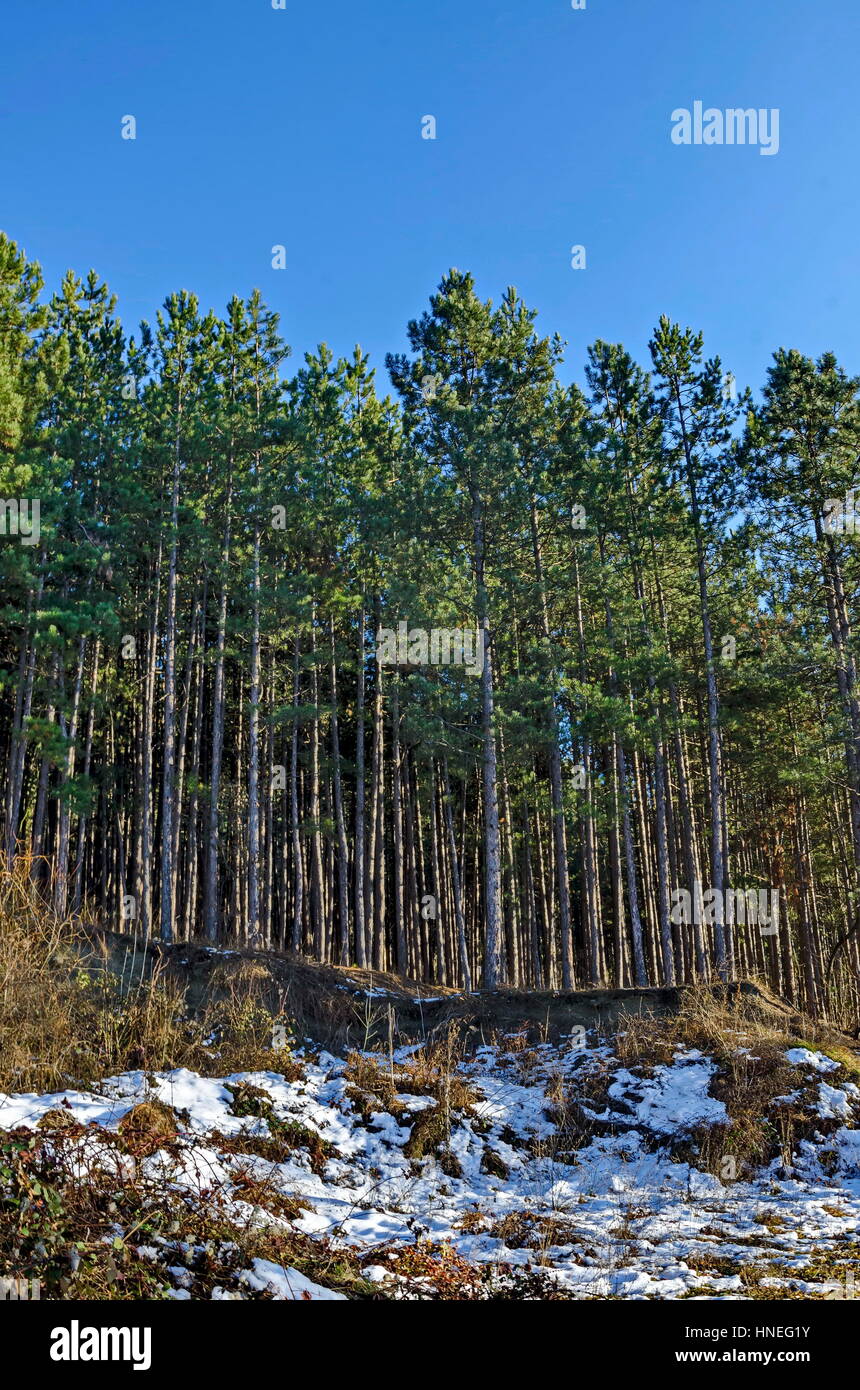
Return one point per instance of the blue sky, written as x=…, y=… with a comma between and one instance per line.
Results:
x=302, y=127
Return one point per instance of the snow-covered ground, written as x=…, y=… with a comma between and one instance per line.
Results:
x=616, y=1214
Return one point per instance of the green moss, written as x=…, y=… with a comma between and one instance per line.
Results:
x=283, y=1139
x=250, y=1100
x=837, y=1053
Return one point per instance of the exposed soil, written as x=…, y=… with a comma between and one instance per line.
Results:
x=343, y=1006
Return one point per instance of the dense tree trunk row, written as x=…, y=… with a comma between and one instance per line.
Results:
x=207, y=735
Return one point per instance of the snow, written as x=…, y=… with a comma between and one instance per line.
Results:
x=674, y=1100
x=847, y=1145
x=616, y=1215
x=802, y=1057
x=285, y=1283
x=834, y=1103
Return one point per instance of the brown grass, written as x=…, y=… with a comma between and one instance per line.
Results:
x=431, y=1072
x=66, y=1019
x=79, y=1230
x=747, y=1039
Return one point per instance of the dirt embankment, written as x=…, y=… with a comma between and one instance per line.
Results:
x=343, y=1006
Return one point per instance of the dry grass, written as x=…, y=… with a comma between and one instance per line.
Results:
x=747, y=1038
x=85, y=1230
x=67, y=1020
x=284, y=1139
x=709, y=1019
x=527, y=1230
x=378, y=1083
x=437, y=1272
x=434, y=1072
x=62, y=1020
x=715, y=1019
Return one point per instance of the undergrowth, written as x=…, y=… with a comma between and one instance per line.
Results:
x=66, y=1020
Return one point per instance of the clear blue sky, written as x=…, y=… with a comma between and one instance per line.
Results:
x=302, y=127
